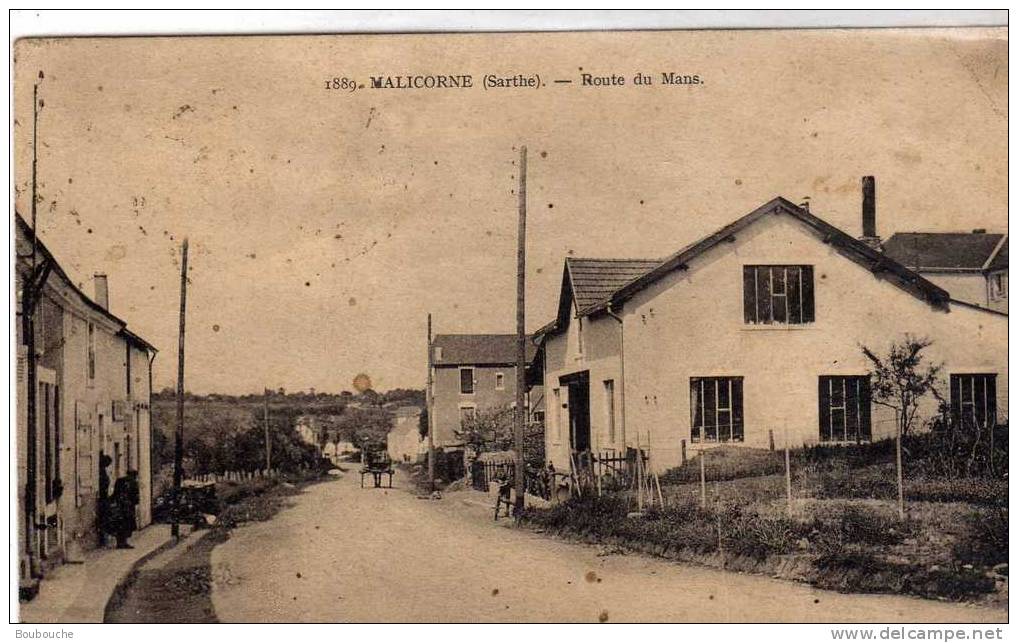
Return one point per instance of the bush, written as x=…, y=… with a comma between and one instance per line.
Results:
x=841, y=540
x=951, y=583
x=845, y=525
x=683, y=526
x=984, y=542
x=586, y=515
x=863, y=572
x=759, y=537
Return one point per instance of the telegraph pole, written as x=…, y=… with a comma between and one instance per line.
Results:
x=521, y=334
x=31, y=284
x=178, y=450
x=268, y=441
x=431, y=420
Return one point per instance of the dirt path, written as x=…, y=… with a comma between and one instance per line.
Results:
x=351, y=555
x=173, y=587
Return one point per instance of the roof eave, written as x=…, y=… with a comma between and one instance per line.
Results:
x=875, y=261
x=993, y=255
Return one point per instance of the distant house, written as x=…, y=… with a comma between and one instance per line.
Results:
x=404, y=441
x=307, y=429
x=472, y=373
x=92, y=382
x=972, y=266
x=751, y=335
x=335, y=451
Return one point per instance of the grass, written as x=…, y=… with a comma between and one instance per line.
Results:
x=727, y=463
x=845, y=547
x=843, y=531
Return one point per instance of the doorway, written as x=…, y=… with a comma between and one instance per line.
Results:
x=579, y=410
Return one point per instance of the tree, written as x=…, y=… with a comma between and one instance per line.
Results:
x=492, y=430
x=370, y=396
x=422, y=423
x=366, y=428
x=900, y=379
x=488, y=430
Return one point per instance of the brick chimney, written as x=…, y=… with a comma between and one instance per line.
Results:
x=869, y=213
x=102, y=290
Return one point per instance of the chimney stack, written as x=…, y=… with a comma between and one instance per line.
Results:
x=869, y=213
x=102, y=290
x=869, y=207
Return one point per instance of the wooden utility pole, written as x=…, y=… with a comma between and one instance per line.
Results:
x=521, y=333
x=268, y=440
x=32, y=283
x=178, y=450
x=428, y=400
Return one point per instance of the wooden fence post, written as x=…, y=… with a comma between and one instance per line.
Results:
x=788, y=475
x=901, y=477
x=703, y=478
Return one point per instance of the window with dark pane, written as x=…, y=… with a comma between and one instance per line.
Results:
x=715, y=405
x=974, y=400
x=466, y=381
x=844, y=408
x=777, y=294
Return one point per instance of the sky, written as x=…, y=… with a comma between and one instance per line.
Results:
x=325, y=225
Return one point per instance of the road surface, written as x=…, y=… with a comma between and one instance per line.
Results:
x=346, y=554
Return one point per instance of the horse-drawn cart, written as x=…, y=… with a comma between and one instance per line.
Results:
x=377, y=464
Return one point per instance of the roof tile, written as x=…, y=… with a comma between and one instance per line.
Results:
x=593, y=280
x=478, y=350
x=952, y=250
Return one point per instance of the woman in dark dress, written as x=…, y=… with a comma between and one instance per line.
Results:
x=102, y=509
x=122, y=508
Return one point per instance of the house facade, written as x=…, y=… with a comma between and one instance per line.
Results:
x=307, y=428
x=336, y=451
x=404, y=442
x=752, y=336
x=470, y=374
x=92, y=385
x=972, y=266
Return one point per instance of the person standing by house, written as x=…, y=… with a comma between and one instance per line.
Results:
x=123, y=508
x=102, y=509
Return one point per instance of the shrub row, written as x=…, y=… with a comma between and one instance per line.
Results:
x=834, y=539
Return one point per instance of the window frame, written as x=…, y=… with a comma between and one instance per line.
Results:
x=90, y=356
x=699, y=410
x=127, y=367
x=861, y=412
x=473, y=380
x=998, y=286
x=989, y=396
x=798, y=305
x=556, y=394
x=499, y=381
x=610, y=407
x=467, y=407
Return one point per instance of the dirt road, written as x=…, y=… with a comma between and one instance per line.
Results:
x=343, y=554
